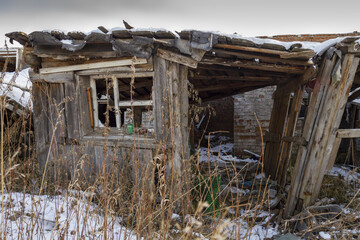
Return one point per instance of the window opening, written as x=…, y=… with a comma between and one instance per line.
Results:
x=112, y=96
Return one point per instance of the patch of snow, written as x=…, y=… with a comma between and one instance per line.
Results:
x=20, y=79
x=345, y=172
x=324, y=235
x=67, y=41
x=57, y=217
x=261, y=41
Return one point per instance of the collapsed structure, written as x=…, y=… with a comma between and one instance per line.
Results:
x=118, y=78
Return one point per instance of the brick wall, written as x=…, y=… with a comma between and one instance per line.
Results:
x=246, y=129
x=223, y=120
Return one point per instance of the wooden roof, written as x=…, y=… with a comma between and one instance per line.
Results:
x=219, y=64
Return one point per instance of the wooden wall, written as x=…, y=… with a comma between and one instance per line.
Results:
x=62, y=124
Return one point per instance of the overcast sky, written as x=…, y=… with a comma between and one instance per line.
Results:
x=246, y=17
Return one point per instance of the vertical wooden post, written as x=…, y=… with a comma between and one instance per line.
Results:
x=170, y=98
x=324, y=115
x=276, y=128
x=94, y=101
x=116, y=101
x=285, y=151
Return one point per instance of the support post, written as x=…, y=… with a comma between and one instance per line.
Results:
x=285, y=152
x=276, y=128
x=323, y=118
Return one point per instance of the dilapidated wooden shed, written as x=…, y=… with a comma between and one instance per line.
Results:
x=87, y=87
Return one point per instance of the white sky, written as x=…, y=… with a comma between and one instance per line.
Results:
x=246, y=17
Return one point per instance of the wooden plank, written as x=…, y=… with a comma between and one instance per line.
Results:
x=95, y=103
x=104, y=64
x=277, y=124
x=113, y=70
x=125, y=75
x=334, y=153
x=335, y=106
x=136, y=103
x=83, y=83
x=282, y=54
x=160, y=100
x=62, y=77
x=329, y=103
x=178, y=58
x=57, y=126
x=40, y=114
x=116, y=101
x=286, y=146
x=71, y=112
x=268, y=59
x=254, y=65
x=230, y=78
x=219, y=87
x=348, y=133
x=321, y=84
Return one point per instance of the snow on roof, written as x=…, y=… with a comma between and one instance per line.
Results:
x=13, y=86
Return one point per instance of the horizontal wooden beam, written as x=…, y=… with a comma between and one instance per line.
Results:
x=219, y=87
x=348, y=133
x=268, y=59
x=61, y=77
x=254, y=65
x=282, y=54
x=123, y=69
x=136, y=103
x=231, y=78
x=178, y=58
x=124, y=75
x=86, y=66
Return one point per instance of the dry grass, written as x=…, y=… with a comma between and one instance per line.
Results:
x=125, y=196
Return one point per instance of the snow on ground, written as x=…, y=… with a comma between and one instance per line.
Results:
x=346, y=173
x=26, y=216
x=10, y=89
x=220, y=150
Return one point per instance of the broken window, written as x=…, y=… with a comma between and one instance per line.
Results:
x=118, y=103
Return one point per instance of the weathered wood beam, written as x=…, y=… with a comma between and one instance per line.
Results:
x=268, y=59
x=219, y=87
x=277, y=124
x=282, y=54
x=231, y=78
x=254, y=65
x=136, y=103
x=125, y=75
x=62, y=77
x=324, y=114
x=348, y=133
x=105, y=64
x=178, y=58
x=286, y=146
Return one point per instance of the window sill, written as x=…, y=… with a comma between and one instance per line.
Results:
x=116, y=137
